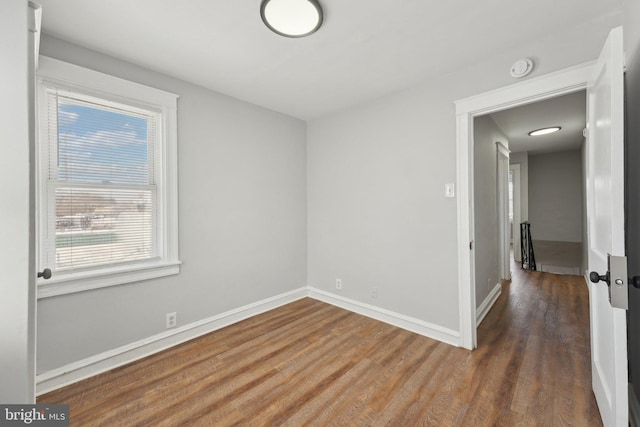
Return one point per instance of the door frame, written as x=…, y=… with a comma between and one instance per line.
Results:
x=551, y=85
x=502, y=195
x=517, y=210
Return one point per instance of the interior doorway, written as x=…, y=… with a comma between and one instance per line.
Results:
x=604, y=81
x=553, y=202
x=554, y=191
x=564, y=82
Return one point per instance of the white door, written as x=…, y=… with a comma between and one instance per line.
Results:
x=605, y=216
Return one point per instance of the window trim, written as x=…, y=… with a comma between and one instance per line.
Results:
x=64, y=75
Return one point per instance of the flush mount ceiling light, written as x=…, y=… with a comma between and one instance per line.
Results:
x=292, y=18
x=544, y=131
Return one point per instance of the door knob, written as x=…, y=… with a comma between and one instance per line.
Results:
x=635, y=281
x=595, y=277
x=45, y=274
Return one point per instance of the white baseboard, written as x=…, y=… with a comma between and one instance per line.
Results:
x=405, y=322
x=488, y=302
x=558, y=269
x=94, y=365
x=634, y=408
x=97, y=364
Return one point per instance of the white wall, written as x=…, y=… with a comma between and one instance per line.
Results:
x=555, y=196
x=377, y=212
x=522, y=159
x=242, y=210
x=487, y=273
x=16, y=301
x=376, y=176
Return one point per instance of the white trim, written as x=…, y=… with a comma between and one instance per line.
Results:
x=35, y=26
x=110, y=359
x=94, y=365
x=112, y=277
x=502, y=149
x=62, y=75
x=412, y=324
x=101, y=84
x=466, y=233
x=502, y=195
x=488, y=302
x=517, y=211
x=548, y=86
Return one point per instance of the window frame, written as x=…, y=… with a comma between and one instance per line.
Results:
x=62, y=75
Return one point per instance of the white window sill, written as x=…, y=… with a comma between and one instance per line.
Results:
x=63, y=284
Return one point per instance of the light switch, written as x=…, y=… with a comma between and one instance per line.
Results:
x=449, y=190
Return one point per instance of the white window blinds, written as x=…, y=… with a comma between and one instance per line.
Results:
x=101, y=186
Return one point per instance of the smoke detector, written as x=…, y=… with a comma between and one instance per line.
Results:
x=521, y=68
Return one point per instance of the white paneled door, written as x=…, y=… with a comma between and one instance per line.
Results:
x=605, y=215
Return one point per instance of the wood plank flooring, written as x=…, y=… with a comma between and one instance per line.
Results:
x=309, y=363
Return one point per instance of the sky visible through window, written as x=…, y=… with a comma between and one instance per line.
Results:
x=96, y=145
x=104, y=190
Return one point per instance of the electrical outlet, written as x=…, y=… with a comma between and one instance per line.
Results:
x=374, y=292
x=338, y=283
x=172, y=320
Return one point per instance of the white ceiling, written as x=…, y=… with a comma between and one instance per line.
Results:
x=568, y=111
x=365, y=49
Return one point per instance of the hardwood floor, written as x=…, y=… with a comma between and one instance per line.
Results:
x=309, y=363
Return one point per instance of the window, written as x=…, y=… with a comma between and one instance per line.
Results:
x=107, y=180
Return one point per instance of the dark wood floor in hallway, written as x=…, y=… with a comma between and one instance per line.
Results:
x=309, y=363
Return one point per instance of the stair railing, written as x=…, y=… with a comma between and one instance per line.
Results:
x=526, y=247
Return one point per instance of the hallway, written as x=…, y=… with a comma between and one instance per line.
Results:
x=538, y=334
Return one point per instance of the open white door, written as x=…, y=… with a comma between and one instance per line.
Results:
x=605, y=216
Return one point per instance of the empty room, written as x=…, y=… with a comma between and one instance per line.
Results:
x=290, y=212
